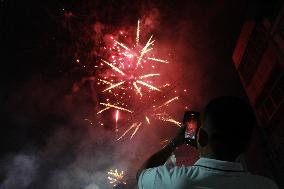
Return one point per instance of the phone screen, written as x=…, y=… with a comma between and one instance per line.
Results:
x=191, y=127
x=191, y=122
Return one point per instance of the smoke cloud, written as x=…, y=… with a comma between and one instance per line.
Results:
x=21, y=170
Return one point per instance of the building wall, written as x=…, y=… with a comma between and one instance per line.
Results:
x=259, y=60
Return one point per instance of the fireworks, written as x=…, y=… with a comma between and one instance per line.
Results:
x=116, y=119
x=130, y=65
x=130, y=81
x=115, y=177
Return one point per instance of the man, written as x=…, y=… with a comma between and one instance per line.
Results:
x=224, y=134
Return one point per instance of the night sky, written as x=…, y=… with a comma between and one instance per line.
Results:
x=45, y=142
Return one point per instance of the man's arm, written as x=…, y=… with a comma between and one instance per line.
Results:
x=160, y=157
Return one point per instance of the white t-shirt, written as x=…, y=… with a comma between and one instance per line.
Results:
x=204, y=174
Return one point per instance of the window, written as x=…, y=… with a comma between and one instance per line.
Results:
x=272, y=96
x=252, y=56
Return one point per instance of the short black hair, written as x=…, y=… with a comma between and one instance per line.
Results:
x=230, y=122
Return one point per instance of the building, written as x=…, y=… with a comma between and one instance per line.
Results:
x=259, y=60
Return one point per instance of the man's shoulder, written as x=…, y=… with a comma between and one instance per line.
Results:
x=176, y=175
x=192, y=172
x=176, y=171
x=263, y=182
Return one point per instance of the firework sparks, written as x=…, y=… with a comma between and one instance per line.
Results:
x=123, y=62
x=115, y=177
x=147, y=119
x=116, y=115
x=116, y=119
x=134, y=126
x=113, y=86
x=165, y=117
x=137, y=88
x=171, y=120
x=160, y=116
x=167, y=102
x=116, y=107
x=158, y=60
x=148, y=75
x=122, y=45
x=137, y=33
x=101, y=111
x=136, y=129
x=148, y=85
x=132, y=72
x=104, y=81
x=145, y=50
x=114, y=67
x=91, y=123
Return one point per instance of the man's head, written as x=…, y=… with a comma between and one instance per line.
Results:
x=226, y=128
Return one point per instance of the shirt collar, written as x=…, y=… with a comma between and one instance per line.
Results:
x=219, y=165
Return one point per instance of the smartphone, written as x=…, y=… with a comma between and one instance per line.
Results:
x=191, y=121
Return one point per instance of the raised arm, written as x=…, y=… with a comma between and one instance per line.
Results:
x=160, y=157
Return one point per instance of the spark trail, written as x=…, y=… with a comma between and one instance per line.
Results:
x=116, y=107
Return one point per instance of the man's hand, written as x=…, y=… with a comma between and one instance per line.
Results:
x=179, y=138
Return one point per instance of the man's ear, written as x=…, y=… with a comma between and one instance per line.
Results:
x=203, y=137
